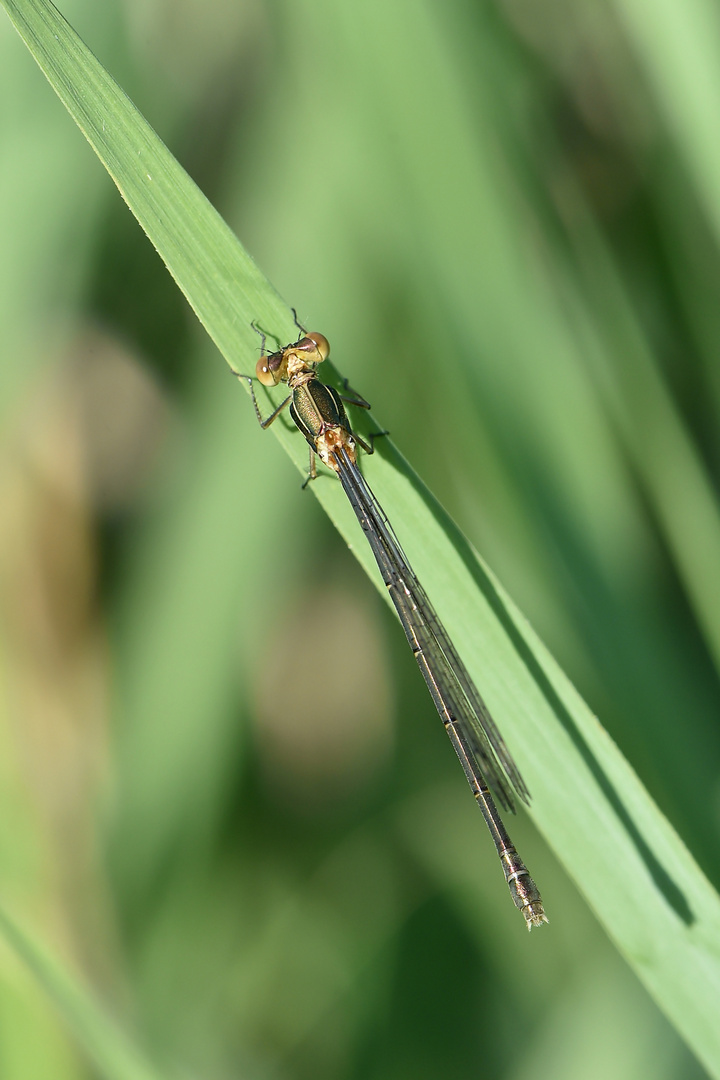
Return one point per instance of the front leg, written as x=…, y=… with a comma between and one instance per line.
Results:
x=267, y=421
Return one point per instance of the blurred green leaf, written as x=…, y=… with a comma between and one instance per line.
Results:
x=114, y=1055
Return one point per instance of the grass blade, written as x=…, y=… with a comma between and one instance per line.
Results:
x=647, y=891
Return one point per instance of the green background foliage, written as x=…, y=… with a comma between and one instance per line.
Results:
x=226, y=799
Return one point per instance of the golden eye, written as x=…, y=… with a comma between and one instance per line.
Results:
x=321, y=344
x=263, y=372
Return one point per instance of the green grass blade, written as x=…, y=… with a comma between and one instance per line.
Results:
x=647, y=891
x=219, y=279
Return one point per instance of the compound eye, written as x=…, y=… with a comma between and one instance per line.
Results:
x=266, y=372
x=322, y=345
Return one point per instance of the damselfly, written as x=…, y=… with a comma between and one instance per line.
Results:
x=319, y=413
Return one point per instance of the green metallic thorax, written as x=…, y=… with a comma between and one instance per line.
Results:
x=315, y=409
